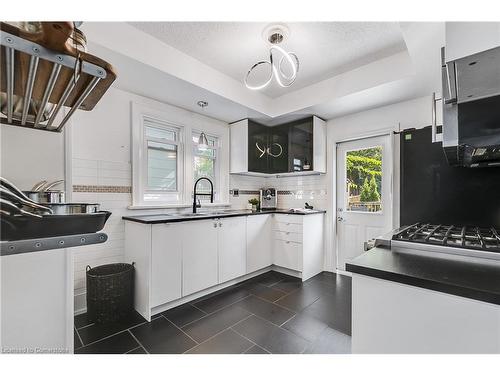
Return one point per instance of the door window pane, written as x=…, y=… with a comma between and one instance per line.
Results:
x=162, y=166
x=364, y=180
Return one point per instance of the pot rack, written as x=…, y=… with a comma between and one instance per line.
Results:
x=50, y=243
x=45, y=68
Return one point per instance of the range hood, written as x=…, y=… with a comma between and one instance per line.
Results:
x=471, y=109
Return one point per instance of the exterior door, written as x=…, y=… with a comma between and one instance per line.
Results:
x=364, y=194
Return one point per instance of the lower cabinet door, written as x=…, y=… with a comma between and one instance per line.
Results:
x=259, y=242
x=287, y=254
x=166, y=263
x=232, y=248
x=199, y=250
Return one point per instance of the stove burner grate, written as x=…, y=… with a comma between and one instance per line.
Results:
x=469, y=237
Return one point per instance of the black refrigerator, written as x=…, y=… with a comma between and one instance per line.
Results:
x=431, y=191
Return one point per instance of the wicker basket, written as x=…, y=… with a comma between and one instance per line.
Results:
x=110, y=292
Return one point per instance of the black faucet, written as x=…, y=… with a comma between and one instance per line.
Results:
x=195, y=194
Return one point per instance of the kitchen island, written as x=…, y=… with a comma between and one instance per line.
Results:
x=424, y=303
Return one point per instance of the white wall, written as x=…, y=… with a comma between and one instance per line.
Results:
x=416, y=113
x=28, y=156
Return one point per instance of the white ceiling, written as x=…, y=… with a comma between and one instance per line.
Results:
x=150, y=67
x=325, y=49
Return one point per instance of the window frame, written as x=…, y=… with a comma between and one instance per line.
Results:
x=188, y=123
x=143, y=117
x=177, y=143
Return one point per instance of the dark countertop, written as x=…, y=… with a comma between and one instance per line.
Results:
x=473, y=278
x=173, y=218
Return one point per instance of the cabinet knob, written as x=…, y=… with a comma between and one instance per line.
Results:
x=220, y=224
x=215, y=225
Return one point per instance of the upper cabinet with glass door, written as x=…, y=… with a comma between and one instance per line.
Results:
x=294, y=148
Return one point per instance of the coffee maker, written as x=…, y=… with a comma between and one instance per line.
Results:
x=268, y=199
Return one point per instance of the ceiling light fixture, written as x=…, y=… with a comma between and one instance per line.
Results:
x=277, y=57
x=202, y=140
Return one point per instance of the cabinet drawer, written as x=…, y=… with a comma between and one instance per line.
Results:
x=288, y=236
x=285, y=218
x=288, y=254
x=287, y=227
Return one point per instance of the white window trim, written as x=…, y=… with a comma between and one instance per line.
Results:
x=140, y=113
x=182, y=119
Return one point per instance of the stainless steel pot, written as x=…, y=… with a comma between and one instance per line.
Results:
x=46, y=196
x=74, y=208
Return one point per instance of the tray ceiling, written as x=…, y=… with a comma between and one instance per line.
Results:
x=325, y=49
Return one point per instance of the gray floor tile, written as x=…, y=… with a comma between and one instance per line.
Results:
x=223, y=299
x=334, y=311
x=266, y=310
x=270, y=294
x=270, y=337
x=138, y=350
x=117, y=344
x=183, y=314
x=161, y=337
x=212, y=324
x=330, y=341
x=305, y=326
x=288, y=285
x=76, y=340
x=270, y=278
x=96, y=331
x=226, y=342
x=299, y=300
x=256, y=350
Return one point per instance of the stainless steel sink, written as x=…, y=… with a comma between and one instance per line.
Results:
x=189, y=214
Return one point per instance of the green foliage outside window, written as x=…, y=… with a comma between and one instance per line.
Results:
x=364, y=173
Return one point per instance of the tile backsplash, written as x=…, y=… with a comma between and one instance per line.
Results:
x=293, y=192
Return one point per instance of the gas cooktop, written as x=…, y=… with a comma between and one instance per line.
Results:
x=464, y=237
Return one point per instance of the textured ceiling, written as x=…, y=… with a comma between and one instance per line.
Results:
x=325, y=49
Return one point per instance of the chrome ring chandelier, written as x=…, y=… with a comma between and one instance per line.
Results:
x=277, y=58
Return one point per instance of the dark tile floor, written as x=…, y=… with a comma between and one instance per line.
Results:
x=270, y=313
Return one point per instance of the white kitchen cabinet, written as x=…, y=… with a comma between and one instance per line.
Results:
x=298, y=243
x=259, y=242
x=467, y=38
x=36, y=299
x=232, y=248
x=287, y=254
x=200, y=256
x=166, y=263
x=241, y=158
x=178, y=262
x=393, y=318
